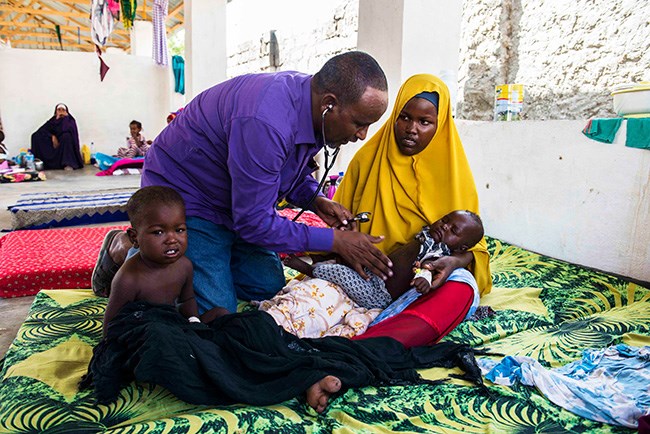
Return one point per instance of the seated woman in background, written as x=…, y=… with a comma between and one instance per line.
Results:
x=410, y=173
x=56, y=143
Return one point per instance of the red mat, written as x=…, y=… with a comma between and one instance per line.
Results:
x=308, y=217
x=32, y=260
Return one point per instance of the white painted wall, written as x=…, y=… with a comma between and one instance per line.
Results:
x=544, y=186
x=32, y=82
x=142, y=38
x=205, y=45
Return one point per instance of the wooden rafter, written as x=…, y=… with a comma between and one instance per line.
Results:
x=41, y=12
x=176, y=10
x=18, y=18
x=83, y=47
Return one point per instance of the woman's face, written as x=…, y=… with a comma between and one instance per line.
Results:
x=61, y=112
x=416, y=125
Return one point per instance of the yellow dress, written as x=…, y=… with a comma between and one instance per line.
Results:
x=405, y=192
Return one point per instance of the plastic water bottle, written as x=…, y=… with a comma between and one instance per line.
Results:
x=332, y=186
x=339, y=179
x=92, y=153
x=29, y=161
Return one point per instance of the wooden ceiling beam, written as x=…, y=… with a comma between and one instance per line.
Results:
x=176, y=10
x=42, y=12
x=52, y=26
x=14, y=33
x=86, y=23
x=176, y=26
x=83, y=47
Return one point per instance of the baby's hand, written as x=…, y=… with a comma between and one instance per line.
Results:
x=421, y=285
x=428, y=264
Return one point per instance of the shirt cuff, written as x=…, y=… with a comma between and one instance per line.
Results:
x=320, y=239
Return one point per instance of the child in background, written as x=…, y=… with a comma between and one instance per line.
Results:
x=159, y=273
x=136, y=146
x=457, y=231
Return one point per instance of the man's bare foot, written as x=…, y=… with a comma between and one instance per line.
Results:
x=319, y=393
x=293, y=261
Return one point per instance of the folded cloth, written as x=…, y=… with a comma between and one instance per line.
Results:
x=602, y=130
x=638, y=133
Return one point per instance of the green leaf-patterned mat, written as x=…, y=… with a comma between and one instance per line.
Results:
x=546, y=309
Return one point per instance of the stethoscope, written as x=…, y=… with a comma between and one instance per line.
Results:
x=330, y=159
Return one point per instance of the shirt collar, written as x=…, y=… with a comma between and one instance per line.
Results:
x=305, y=133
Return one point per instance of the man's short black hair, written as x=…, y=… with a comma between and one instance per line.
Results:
x=146, y=198
x=348, y=75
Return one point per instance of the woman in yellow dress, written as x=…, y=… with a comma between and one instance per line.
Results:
x=412, y=172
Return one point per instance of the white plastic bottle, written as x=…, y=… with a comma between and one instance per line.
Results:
x=29, y=161
x=92, y=153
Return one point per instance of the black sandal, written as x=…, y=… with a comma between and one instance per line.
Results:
x=105, y=268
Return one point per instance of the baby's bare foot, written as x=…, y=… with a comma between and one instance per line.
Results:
x=319, y=393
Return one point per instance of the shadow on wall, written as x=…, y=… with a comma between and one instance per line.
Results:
x=539, y=104
x=477, y=101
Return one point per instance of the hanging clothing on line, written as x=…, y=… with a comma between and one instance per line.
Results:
x=160, y=54
x=101, y=20
x=178, y=65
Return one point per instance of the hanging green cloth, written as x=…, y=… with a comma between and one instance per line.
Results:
x=178, y=66
x=129, y=8
x=638, y=133
x=602, y=130
x=58, y=34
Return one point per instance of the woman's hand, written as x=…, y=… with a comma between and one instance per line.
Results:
x=442, y=267
x=332, y=213
x=55, y=142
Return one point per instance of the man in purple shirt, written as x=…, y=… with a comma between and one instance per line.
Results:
x=238, y=148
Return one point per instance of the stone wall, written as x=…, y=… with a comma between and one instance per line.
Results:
x=569, y=55
x=305, y=52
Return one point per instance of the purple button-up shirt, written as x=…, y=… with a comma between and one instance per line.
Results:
x=239, y=147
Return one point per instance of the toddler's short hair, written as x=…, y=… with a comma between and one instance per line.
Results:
x=145, y=198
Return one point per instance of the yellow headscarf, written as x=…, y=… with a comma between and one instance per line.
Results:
x=405, y=192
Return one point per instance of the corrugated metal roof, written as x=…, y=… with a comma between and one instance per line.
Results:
x=33, y=23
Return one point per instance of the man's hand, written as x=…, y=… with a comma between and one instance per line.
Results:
x=332, y=213
x=358, y=251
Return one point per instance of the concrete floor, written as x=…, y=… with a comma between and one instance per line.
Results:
x=14, y=310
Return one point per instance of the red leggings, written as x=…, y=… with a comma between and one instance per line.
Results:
x=429, y=318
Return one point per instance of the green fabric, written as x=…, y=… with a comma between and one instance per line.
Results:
x=602, y=130
x=545, y=308
x=638, y=133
